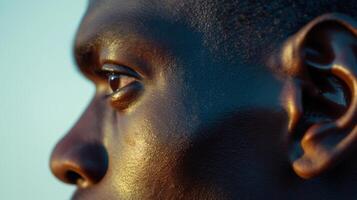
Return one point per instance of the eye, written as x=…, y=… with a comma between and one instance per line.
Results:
x=125, y=85
x=118, y=81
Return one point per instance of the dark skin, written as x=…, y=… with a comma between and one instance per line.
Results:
x=179, y=116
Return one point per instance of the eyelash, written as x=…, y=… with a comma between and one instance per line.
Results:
x=113, y=79
x=124, y=83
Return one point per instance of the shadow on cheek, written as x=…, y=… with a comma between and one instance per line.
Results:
x=235, y=152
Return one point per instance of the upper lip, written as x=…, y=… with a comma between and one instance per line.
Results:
x=77, y=195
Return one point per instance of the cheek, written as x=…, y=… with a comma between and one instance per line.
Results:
x=181, y=135
x=147, y=142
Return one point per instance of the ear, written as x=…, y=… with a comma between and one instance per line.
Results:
x=321, y=93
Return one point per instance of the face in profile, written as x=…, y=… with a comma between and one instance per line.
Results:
x=213, y=100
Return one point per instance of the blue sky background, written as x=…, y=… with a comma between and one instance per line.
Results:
x=41, y=93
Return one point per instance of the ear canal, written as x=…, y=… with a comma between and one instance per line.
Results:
x=321, y=94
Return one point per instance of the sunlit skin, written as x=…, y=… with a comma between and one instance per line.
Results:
x=206, y=100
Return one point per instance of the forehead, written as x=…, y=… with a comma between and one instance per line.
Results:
x=155, y=21
x=170, y=5
x=227, y=27
x=160, y=22
x=195, y=13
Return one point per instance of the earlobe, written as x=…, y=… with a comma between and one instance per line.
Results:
x=321, y=93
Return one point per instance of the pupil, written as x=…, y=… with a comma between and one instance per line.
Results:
x=114, y=82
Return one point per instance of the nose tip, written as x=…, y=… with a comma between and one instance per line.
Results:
x=83, y=165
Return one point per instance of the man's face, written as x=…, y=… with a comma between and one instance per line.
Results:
x=184, y=120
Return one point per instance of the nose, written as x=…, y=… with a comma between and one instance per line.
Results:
x=83, y=164
x=80, y=157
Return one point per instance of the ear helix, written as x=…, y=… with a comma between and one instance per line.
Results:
x=325, y=144
x=317, y=147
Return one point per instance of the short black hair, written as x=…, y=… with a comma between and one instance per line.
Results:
x=250, y=29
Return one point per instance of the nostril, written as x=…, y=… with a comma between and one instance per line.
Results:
x=73, y=177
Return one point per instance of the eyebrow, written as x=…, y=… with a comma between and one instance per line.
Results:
x=113, y=46
x=88, y=53
x=139, y=35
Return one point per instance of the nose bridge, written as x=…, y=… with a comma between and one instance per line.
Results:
x=89, y=125
x=80, y=157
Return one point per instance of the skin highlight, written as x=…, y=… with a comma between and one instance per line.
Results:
x=206, y=100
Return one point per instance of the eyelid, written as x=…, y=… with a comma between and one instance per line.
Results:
x=120, y=69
